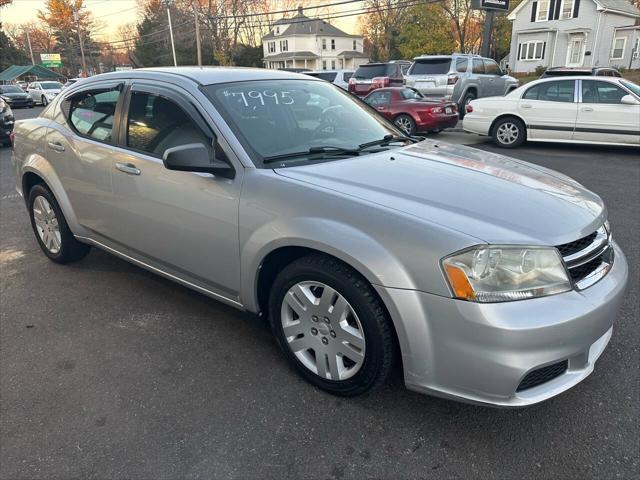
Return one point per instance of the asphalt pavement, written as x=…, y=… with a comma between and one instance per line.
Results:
x=109, y=371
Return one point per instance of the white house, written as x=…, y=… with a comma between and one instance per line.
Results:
x=303, y=42
x=574, y=33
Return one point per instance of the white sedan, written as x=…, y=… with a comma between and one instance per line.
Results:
x=574, y=110
x=44, y=91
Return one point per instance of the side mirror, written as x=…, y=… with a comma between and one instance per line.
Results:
x=194, y=157
x=629, y=100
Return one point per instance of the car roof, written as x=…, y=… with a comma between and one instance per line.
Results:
x=201, y=75
x=575, y=77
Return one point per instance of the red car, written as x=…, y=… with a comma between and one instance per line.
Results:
x=411, y=111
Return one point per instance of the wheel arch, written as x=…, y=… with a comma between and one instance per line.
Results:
x=506, y=115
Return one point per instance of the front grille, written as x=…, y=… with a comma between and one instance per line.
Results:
x=583, y=271
x=570, y=248
x=542, y=375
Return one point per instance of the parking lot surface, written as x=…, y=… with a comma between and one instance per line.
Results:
x=109, y=371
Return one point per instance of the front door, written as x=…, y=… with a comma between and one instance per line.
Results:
x=602, y=117
x=184, y=223
x=575, y=54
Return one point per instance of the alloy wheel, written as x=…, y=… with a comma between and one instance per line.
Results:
x=322, y=330
x=508, y=133
x=404, y=124
x=47, y=224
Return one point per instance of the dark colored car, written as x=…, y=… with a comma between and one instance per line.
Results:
x=570, y=72
x=409, y=110
x=371, y=76
x=15, y=96
x=6, y=122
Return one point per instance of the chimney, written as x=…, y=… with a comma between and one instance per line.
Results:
x=299, y=9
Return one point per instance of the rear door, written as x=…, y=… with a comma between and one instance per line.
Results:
x=550, y=109
x=80, y=146
x=602, y=117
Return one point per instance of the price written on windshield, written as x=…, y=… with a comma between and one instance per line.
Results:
x=261, y=97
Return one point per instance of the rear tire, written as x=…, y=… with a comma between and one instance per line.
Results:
x=338, y=335
x=468, y=97
x=509, y=132
x=50, y=227
x=406, y=123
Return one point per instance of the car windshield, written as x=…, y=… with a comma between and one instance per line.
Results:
x=432, y=66
x=631, y=86
x=365, y=72
x=410, y=94
x=279, y=117
x=51, y=85
x=11, y=89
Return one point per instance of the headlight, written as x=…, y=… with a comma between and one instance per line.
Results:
x=504, y=273
x=3, y=106
x=6, y=99
x=49, y=95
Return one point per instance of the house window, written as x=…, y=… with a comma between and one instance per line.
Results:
x=355, y=45
x=284, y=45
x=324, y=43
x=271, y=47
x=618, y=48
x=333, y=64
x=531, y=50
x=543, y=11
x=567, y=9
x=277, y=30
x=333, y=44
x=324, y=64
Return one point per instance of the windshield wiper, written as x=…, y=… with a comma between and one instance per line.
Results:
x=386, y=140
x=328, y=150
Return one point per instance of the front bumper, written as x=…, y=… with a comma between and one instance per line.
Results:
x=480, y=353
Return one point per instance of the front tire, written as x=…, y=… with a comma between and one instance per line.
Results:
x=50, y=227
x=44, y=101
x=331, y=326
x=406, y=123
x=509, y=132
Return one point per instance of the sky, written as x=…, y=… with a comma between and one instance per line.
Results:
x=113, y=13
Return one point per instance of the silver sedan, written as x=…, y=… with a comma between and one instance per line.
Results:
x=491, y=280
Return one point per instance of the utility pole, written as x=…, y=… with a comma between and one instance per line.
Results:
x=33, y=62
x=485, y=50
x=195, y=13
x=173, y=47
x=76, y=17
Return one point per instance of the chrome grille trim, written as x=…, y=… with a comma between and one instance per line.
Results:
x=599, y=248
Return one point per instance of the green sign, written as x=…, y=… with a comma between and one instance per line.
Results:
x=51, y=59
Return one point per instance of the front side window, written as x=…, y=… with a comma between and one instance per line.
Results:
x=594, y=91
x=155, y=123
x=346, y=76
x=632, y=86
x=277, y=117
x=560, y=91
x=618, y=48
x=410, y=94
x=91, y=113
x=379, y=98
x=491, y=67
x=543, y=10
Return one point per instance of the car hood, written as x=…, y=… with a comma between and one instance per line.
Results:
x=494, y=198
x=15, y=95
x=52, y=90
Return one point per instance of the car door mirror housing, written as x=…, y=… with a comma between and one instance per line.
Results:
x=629, y=100
x=195, y=157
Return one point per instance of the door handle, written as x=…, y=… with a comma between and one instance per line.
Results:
x=128, y=168
x=587, y=109
x=525, y=105
x=57, y=146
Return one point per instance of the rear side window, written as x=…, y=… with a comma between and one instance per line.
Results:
x=155, y=123
x=328, y=76
x=91, y=112
x=478, y=65
x=462, y=64
x=561, y=91
x=431, y=66
x=346, y=76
